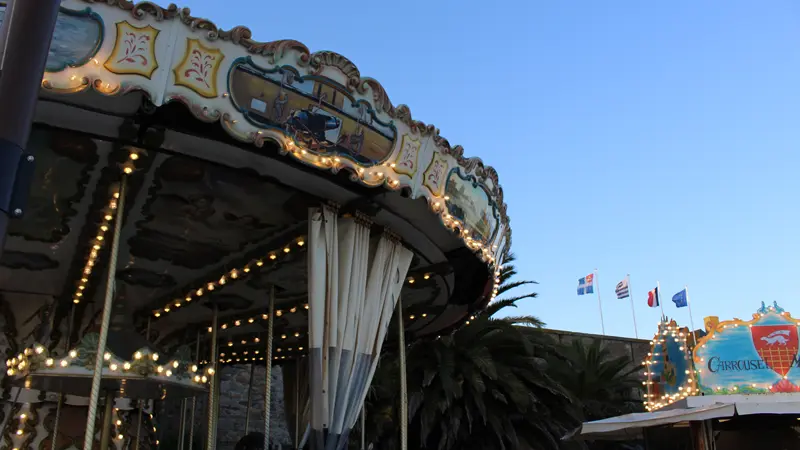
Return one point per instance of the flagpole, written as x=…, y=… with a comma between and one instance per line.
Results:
x=633, y=310
x=691, y=320
x=599, y=302
x=658, y=297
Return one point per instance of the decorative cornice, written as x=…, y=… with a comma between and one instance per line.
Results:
x=317, y=62
x=141, y=9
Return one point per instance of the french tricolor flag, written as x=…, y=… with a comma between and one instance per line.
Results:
x=652, y=298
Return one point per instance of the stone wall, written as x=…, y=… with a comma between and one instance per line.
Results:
x=234, y=382
x=635, y=349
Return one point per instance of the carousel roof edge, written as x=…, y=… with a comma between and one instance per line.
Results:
x=398, y=153
x=242, y=35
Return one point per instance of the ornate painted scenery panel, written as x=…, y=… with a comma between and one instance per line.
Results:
x=469, y=203
x=77, y=38
x=323, y=117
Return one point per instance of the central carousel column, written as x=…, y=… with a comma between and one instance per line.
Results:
x=351, y=301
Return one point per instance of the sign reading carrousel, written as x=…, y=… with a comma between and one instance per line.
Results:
x=759, y=356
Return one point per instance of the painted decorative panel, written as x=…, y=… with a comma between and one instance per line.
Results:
x=77, y=38
x=134, y=51
x=668, y=367
x=468, y=202
x=322, y=116
x=755, y=356
x=198, y=69
x=407, y=162
x=435, y=175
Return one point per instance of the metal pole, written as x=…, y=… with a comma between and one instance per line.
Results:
x=403, y=382
x=691, y=320
x=182, y=427
x=658, y=297
x=363, y=427
x=297, y=404
x=138, y=425
x=194, y=398
x=249, y=397
x=140, y=402
x=60, y=403
x=212, y=389
x=268, y=369
x=599, y=302
x=633, y=311
x=94, y=396
x=105, y=433
x=27, y=45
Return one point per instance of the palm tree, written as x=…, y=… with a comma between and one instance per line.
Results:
x=484, y=386
x=602, y=384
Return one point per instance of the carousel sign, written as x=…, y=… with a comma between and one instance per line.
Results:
x=756, y=356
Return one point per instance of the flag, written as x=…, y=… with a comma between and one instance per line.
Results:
x=622, y=289
x=652, y=298
x=586, y=285
x=680, y=299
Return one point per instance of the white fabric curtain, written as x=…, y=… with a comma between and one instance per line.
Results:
x=351, y=301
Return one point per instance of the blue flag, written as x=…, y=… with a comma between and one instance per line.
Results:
x=680, y=299
x=586, y=285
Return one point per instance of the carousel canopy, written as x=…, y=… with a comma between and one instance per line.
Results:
x=227, y=143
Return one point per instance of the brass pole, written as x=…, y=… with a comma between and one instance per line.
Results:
x=194, y=398
x=94, y=396
x=297, y=404
x=182, y=429
x=105, y=433
x=403, y=382
x=249, y=396
x=268, y=368
x=212, y=389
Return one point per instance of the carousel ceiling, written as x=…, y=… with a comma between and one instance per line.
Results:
x=229, y=142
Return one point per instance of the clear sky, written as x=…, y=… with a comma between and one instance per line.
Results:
x=658, y=139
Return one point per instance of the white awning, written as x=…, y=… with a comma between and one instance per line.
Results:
x=630, y=426
x=690, y=409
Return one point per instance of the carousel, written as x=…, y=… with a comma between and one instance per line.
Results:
x=195, y=200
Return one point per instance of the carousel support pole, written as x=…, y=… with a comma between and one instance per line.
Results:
x=363, y=428
x=105, y=433
x=140, y=402
x=94, y=396
x=249, y=397
x=60, y=403
x=403, y=383
x=297, y=414
x=182, y=430
x=26, y=45
x=211, y=439
x=268, y=369
x=194, y=398
x=138, y=425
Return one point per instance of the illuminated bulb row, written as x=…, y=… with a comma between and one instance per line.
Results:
x=96, y=245
x=228, y=277
x=20, y=362
x=22, y=418
x=249, y=320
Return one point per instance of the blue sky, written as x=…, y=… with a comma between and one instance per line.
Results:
x=658, y=139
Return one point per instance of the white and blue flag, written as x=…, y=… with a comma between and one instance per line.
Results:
x=586, y=285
